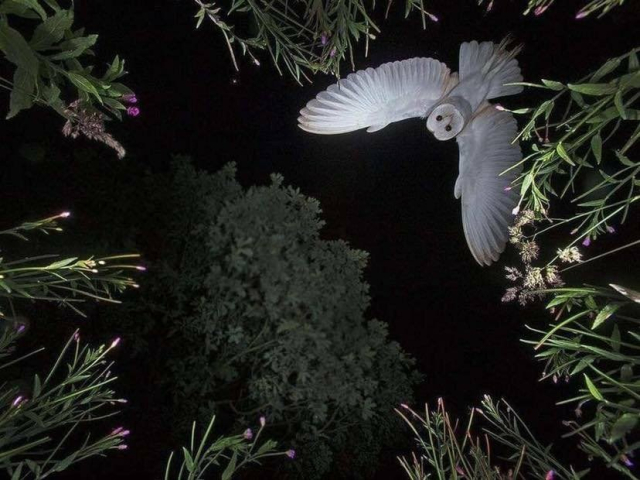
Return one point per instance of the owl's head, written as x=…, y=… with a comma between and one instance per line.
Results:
x=449, y=118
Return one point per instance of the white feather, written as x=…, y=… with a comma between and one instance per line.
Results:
x=485, y=152
x=374, y=98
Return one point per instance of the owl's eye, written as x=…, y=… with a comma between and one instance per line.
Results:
x=448, y=128
x=439, y=118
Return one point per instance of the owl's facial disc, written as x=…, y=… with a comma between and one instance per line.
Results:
x=445, y=121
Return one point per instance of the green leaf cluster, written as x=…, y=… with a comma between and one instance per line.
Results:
x=49, y=60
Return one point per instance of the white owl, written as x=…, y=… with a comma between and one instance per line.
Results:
x=455, y=105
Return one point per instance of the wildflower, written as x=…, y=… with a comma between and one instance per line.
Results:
x=116, y=431
x=581, y=15
x=65, y=215
x=18, y=401
x=490, y=6
x=405, y=406
x=122, y=447
x=21, y=328
x=433, y=17
x=611, y=229
x=324, y=39
x=332, y=53
x=115, y=343
x=533, y=279
x=510, y=294
x=553, y=276
x=248, y=434
x=540, y=10
x=586, y=242
x=525, y=218
x=460, y=470
x=500, y=108
x=90, y=124
x=516, y=210
x=515, y=235
x=291, y=454
x=529, y=251
x=130, y=98
x=513, y=273
x=550, y=475
x=263, y=421
x=76, y=336
x=133, y=111
x=626, y=460
x=570, y=255
x=256, y=62
x=141, y=268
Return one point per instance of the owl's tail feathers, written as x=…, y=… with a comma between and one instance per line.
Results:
x=498, y=64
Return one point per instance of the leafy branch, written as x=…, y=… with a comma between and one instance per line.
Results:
x=67, y=281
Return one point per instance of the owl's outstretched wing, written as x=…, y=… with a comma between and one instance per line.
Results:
x=487, y=201
x=376, y=97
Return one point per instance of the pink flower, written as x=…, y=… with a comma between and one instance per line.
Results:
x=133, y=111
x=581, y=15
x=141, y=268
x=550, y=475
x=490, y=6
x=611, y=229
x=433, y=17
x=263, y=421
x=291, y=454
x=21, y=328
x=540, y=10
x=586, y=242
x=115, y=343
x=122, y=447
x=116, y=431
x=324, y=39
x=17, y=401
x=332, y=53
x=248, y=434
x=130, y=98
x=65, y=214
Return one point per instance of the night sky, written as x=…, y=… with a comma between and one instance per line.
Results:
x=389, y=193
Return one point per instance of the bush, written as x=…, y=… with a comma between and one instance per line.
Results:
x=263, y=317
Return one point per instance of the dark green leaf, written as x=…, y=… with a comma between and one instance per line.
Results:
x=17, y=50
x=592, y=388
x=75, y=47
x=33, y=5
x=553, y=85
x=607, y=68
x=623, y=426
x=23, y=92
x=604, y=314
x=594, y=88
x=617, y=100
x=83, y=84
x=52, y=30
x=563, y=154
x=231, y=467
x=596, y=147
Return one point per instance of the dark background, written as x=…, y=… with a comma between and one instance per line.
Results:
x=389, y=193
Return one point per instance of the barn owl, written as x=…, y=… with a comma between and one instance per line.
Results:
x=454, y=105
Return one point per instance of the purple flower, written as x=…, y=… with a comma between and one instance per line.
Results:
x=248, y=434
x=550, y=475
x=581, y=15
x=17, y=401
x=324, y=39
x=291, y=454
x=586, y=242
x=133, y=111
x=21, y=328
x=433, y=17
x=263, y=421
x=611, y=229
x=115, y=343
x=130, y=98
x=141, y=268
x=626, y=460
x=332, y=53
